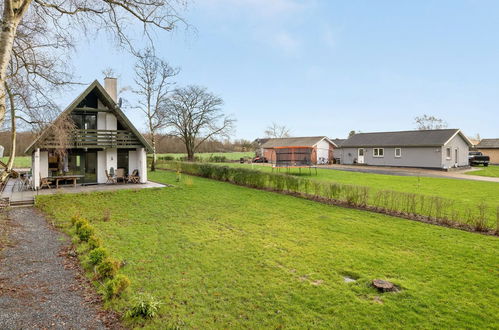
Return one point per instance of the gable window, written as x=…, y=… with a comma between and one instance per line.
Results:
x=448, y=153
x=378, y=152
x=398, y=152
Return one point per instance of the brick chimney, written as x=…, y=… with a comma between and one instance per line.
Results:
x=111, y=87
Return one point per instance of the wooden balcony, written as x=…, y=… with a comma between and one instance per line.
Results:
x=97, y=138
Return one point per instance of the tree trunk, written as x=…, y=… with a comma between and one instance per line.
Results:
x=13, y=129
x=190, y=152
x=7, y=33
x=154, y=156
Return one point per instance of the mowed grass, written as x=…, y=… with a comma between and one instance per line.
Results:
x=206, y=155
x=467, y=193
x=222, y=256
x=19, y=162
x=490, y=171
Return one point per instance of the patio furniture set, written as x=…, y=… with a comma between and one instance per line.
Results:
x=25, y=180
x=115, y=177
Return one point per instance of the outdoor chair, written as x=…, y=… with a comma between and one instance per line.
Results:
x=134, y=177
x=120, y=175
x=110, y=178
x=45, y=182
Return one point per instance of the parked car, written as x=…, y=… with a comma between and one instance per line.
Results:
x=259, y=159
x=477, y=158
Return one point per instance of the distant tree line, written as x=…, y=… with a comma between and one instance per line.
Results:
x=165, y=144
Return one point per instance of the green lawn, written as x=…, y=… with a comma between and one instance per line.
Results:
x=21, y=161
x=491, y=171
x=223, y=256
x=465, y=192
x=207, y=155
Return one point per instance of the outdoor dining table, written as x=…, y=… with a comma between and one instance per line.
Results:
x=59, y=178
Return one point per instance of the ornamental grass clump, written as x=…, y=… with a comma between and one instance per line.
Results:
x=145, y=306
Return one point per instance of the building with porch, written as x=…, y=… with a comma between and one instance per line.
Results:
x=103, y=138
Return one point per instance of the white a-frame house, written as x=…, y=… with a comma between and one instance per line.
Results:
x=104, y=138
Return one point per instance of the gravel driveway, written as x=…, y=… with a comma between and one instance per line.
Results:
x=41, y=285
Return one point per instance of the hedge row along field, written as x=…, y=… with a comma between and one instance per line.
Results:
x=432, y=209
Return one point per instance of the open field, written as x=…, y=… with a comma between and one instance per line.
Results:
x=22, y=161
x=225, y=256
x=490, y=171
x=206, y=155
x=466, y=193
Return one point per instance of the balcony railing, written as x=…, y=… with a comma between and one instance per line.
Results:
x=95, y=138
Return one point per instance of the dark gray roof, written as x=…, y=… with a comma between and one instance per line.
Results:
x=308, y=141
x=108, y=101
x=488, y=143
x=338, y=142
x=423, y=138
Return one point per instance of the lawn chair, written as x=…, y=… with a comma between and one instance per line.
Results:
x=110, y=178
x=134, y=177
x=120, y=175
x=45, y=182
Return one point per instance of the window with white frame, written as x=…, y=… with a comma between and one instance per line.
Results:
x=378, y=152
x=398, y=152
x=448, y=153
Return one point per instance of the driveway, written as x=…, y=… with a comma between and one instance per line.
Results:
x=406, y=171
x=41, y=285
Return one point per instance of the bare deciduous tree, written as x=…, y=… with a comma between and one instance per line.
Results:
x=63, y=18
x=34, y=72
x=195, y=116
x=426, y=122
x=277, y=131
x=153, y=80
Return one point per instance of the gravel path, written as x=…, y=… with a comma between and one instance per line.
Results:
x=41, y=285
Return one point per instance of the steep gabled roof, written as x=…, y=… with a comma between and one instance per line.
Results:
x=421, y=138
x=308, y=141
x=488, y=144
x=108, y=102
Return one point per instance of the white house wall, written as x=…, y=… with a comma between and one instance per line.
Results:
x=429, y=157
x=35, y=167
x=323, y=150
x=44, y=164
x=111, y=122
x=456, y=143
x=142, y=164
x=101, y=167
x=133, y=161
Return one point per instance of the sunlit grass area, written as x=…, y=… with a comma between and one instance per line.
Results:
x=218, y=255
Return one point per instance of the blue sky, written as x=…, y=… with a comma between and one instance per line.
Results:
x=328, y=67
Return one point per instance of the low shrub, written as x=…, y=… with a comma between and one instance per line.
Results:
x=80, y=222
x=107, y=268
x=441, y=210
x=85, y=232
x=217, y=159
x=145, y=306
x=93, y=242
x=96, y=256
x=116, y=286
x=75, y=218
